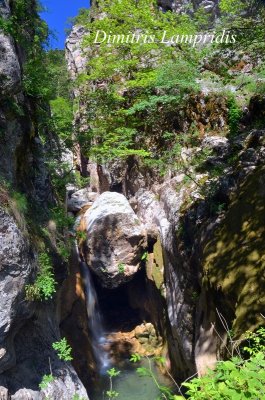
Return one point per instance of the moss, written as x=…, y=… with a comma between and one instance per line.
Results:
x=155, y=265
x=234, y=260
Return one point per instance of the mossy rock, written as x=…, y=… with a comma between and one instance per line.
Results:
x=155, y=265
x=234, y=260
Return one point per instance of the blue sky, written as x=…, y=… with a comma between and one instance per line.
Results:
x=57, y=14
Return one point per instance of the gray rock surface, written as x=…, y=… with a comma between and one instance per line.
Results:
x=17, y=262
x=79, y=199
x=115, y=239
x=10, y=74
x=27, y=331
x=210, y=6
x=164, y=209
x=75, y=58
x=35, y=358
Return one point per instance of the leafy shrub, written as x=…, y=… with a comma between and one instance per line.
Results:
x=44, y=286
x=20, y=201
x=63, y=350
x=63, y=224
x=231, y=380
x=62, y=118
x=142, y=81
x=234, y=115
x=255, y=342
x=62, y=220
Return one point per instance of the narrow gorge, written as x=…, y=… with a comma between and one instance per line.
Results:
x=132, y=195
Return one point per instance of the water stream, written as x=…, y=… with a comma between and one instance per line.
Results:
x=94, y=316
x=128, y=384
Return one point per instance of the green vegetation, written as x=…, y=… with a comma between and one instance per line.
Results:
x=234, y=116
x=165, y=392
x=137, y=95
x=121, y=268
x=134, y=92
x=62, y=118
x=45, y=381
x=144, y=256
x=20, y=201
x=255, y=342
x=237, y=378
x=63, y=350
x=81, y=236
x=112, y=393
x=144, y=83
x=245, y=19
x=77, y=397
x=11, y=198
x=231, y=380
x=44, y=286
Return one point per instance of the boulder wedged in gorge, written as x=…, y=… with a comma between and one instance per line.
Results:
x=79, y=199
x=116, y=239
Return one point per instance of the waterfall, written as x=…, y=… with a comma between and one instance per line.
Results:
x=93, y=314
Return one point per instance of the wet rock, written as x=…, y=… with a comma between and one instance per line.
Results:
x=74, y=324
x=116, y=239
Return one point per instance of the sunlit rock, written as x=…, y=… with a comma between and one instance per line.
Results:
x=115, y=239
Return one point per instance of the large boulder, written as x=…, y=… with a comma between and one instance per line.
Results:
x=116, y=239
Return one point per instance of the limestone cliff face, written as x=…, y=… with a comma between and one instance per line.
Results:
x=27, y=329
x=209, y=6
x=21, y=152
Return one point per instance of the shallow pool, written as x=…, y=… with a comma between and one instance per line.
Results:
x=130, y=385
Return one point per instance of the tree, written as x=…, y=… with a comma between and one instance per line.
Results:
x=129, y=74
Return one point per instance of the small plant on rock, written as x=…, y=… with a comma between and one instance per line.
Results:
x=144, y=256
x=44, y=286
x=121, y=268
x=45, y=381
x=63, y=350
x=81, y=236
x=77, y=397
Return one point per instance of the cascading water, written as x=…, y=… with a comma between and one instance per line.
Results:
x=128, y=383
x=93, y=314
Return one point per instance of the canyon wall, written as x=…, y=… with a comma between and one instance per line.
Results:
x=208, y=280
x=27, y=328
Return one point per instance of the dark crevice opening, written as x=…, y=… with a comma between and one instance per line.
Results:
x=118, y=312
